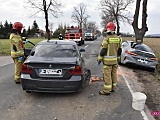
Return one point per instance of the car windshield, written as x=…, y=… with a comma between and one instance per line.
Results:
x=72, y=31
x=55, y=50
x=143, y=47
x=88, y=31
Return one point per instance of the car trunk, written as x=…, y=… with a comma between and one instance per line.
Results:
x=51, y=68
x=144, y=54
x=144, y=57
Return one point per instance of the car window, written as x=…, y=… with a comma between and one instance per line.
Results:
x=56, y=50
x=143, y=47
x=88, y=31
x=73, y=31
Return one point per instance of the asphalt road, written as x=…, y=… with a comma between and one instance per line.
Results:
x=16, y=104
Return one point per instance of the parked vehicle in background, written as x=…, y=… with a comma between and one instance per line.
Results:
x=60, y=37
x=89, y=35
x=55, y=66
x=76, y=34
x=138, y=54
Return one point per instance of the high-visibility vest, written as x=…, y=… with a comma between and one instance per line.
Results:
x=16, y=41
x=111, y=43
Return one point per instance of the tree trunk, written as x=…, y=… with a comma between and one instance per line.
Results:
x=118, y=27
x=46, y=18
x=139, y=33
x=80, y=25
x=47, y=24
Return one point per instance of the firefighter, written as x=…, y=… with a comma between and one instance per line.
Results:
x=17, y=49
x=109, y=52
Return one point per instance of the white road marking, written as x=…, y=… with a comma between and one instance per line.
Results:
x=144, y=115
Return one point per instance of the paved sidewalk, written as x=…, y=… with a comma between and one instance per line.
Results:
x=4, y=60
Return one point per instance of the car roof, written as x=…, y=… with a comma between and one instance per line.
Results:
x=60, y=42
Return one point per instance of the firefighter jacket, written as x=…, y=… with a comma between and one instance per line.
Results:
x=16, y=45
x=109, y=49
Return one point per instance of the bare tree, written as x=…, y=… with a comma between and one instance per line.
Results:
x=139, y=33
x=85, y=24
x=92, y=25
x=80, y=15
x=51, y=28
x=51, y=7
x=115, y=11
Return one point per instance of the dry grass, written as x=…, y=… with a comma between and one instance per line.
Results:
x=153, y=43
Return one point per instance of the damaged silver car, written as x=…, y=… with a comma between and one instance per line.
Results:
x=138, y=54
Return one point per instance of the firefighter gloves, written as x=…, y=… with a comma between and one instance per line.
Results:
x=99, y=62
x=20, y=59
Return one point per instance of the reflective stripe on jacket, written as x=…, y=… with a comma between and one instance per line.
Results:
x=112, y=43
x=16, y=40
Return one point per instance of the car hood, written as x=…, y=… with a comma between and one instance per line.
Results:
x=60, y=60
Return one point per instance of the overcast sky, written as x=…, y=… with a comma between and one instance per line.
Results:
x=13, y=11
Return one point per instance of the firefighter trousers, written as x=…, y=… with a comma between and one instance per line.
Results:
x=17, y=69
x=110, y=77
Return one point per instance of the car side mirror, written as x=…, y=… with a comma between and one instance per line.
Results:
x=32, y=53
x=82, y=50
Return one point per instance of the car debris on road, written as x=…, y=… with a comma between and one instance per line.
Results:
x=96, y=79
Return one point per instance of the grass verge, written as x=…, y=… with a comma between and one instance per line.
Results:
x=5, y=45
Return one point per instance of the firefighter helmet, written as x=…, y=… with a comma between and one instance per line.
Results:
x=18, y=26
x=110, y=26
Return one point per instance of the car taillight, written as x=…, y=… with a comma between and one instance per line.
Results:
x=131, y=53
x=154, y=59
x=26, y=69
x=76, y=70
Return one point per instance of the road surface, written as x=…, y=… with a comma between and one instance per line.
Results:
x=16, y=104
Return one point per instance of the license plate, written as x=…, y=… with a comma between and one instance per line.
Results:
x=50, y=71
x=142, y=61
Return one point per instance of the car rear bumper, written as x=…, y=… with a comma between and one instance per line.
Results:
x=133, y=61
x=54, y=86
x=76, y=40
x=88, y=38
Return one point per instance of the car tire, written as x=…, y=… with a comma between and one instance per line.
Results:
x=119, y=61
x=82, y=41
x=79, y=43
x=87, y=77
x=28, y=91
x=152, y=69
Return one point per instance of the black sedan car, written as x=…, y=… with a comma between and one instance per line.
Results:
x=55, y=66
x=138, y=54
